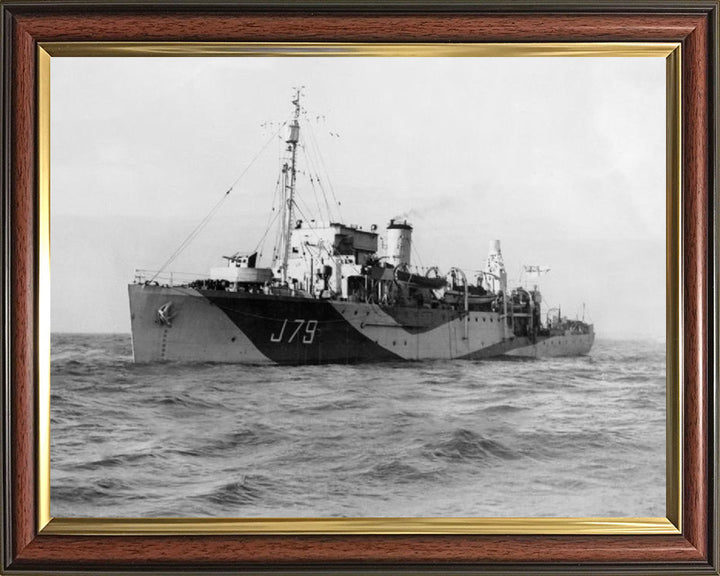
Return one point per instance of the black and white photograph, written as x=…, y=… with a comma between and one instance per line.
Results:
x=361, y=287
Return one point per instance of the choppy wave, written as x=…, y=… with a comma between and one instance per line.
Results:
x=466, y=445
x=563, y=436
x=246, y=491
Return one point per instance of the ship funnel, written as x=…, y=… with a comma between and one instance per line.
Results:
x=399, y=242
x=495, y=268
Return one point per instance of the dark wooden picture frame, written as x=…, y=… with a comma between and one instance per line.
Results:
x=26, y=24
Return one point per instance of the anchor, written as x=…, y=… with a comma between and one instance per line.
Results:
x=165, y=314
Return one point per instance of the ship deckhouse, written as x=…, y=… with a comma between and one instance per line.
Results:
x=327, y=257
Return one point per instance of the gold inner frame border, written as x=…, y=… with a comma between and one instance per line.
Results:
x=671, y=524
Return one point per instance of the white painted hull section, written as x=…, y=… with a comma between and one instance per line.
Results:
x=200, y=332
x=444, y=342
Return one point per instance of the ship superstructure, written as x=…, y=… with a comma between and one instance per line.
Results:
x=333, y=293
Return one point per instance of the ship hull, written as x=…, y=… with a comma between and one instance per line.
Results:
x=182, y=324
x=553, y=346
x=237, y=327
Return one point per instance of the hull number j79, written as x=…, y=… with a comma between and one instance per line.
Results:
x=296, y=330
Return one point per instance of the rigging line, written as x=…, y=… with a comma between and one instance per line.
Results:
x=328, y=210
x=322, y=162
x=305, y=205
x=312, y=182
x=272, y=216
x=258, y=154
x=317, y=199
x=185, y=243
x=320, y=167
x=331, y=217
x=312, y=165
x=325, y=199
x=267, y=230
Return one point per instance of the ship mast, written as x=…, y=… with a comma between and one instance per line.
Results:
x=289, y=174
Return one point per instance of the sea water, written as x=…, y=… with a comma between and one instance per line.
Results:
x=578, y=436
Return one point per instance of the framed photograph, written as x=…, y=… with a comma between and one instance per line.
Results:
x=359, y=286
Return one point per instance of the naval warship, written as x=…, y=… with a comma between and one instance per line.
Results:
x=338, y=293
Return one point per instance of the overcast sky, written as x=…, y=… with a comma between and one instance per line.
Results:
x=562, y=159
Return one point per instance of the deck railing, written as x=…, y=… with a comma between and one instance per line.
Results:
x=166, y=277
